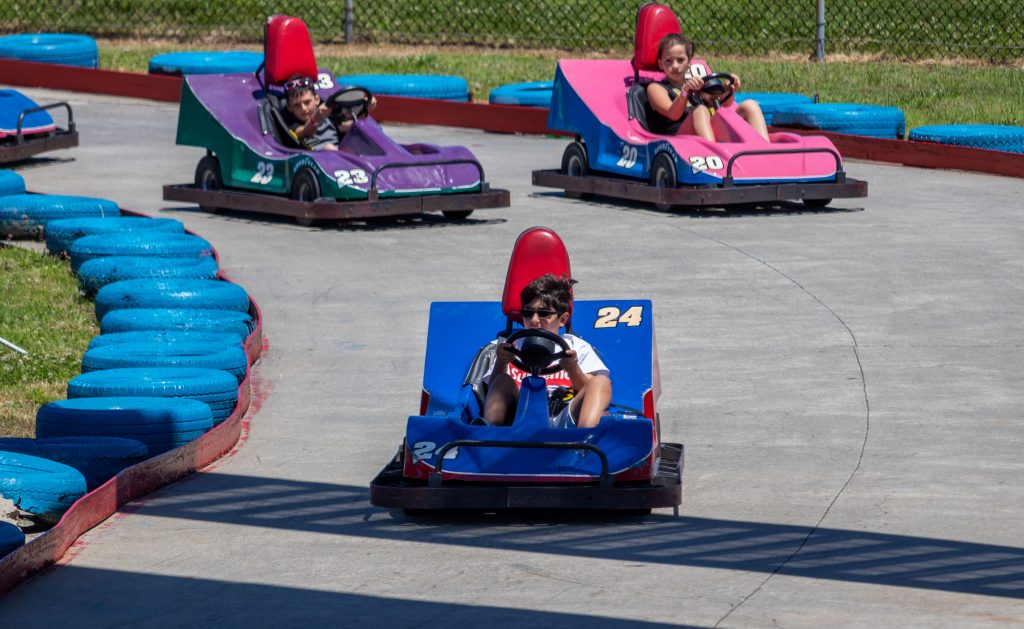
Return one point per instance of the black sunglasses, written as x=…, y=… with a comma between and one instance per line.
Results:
x=543, y=314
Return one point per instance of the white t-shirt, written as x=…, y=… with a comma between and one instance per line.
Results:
x=588, y=359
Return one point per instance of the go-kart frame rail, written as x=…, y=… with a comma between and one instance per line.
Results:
x=24, y=148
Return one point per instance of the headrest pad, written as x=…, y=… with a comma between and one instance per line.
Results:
x=537, y=251
x=288, y=50
x=653, y=21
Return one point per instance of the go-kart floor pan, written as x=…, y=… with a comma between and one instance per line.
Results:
x=330, y=209
x=33, y=146
x=700, y=196
x=391, y=490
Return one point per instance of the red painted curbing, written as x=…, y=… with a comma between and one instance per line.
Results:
x=135, y=481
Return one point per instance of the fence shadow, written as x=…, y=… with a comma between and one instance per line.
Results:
x=834, y=554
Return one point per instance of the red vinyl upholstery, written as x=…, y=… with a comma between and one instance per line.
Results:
x=653, y=21
x=537, y=251
x=288, y=50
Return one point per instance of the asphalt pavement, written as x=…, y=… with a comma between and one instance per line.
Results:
x=847, y=383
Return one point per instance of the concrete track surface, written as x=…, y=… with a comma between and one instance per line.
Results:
x=847, y=384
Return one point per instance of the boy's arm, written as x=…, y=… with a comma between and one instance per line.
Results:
x=577, y=376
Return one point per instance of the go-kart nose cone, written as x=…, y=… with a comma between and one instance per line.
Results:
x=536, y=352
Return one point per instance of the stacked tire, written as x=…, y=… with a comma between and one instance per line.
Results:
x=26, y=215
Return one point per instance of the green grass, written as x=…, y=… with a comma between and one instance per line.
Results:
x=42, y=313
x=927, y=93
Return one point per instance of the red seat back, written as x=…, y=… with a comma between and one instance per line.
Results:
x=287, y=50
x=537, y=251
x=653, y=21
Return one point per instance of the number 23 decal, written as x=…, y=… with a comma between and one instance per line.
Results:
x=610, y=317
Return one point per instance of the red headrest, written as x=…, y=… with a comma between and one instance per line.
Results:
x=653, y=21
x=537, y=251
x=288, y=51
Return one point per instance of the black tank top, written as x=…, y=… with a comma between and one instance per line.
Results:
x=657, y=123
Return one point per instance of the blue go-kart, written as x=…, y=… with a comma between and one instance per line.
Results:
x=451, y=460
x=26, y=128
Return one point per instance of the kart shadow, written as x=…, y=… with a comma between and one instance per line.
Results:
x=761, y=547
x=383, y=223
x=786, y=208
x=35, y=162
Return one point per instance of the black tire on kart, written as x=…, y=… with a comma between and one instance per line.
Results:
x=575, y=164
x=305, y=188
x=663, y=175
x=456, y=215
x=208, y=178
x=816, y=204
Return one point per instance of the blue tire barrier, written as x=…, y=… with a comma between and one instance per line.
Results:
x=60, y=234
x=11, y=183
x=139, y=244
x=221, y=62
x=233, y=360
x=39, y=486
x=12, y=104
x=98, y=272
x=530, y=94
x=25, y=214
x=226, y=339
x=771, y=102
x=11, y=538
x=97, y=458
x=982, y=136
x=206, y=294
x=160, y=423
x=61, y=48
x=435, y=86
x=239, y=323
x=213, y=387
x=850, y=118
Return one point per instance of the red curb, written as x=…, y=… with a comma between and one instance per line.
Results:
x=139, y=479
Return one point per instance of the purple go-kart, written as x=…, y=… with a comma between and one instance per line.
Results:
x=254, y=163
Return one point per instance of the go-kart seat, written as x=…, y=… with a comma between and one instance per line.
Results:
x=637, y=104
x=653, y=21
x=287, y=55
x=537, y=251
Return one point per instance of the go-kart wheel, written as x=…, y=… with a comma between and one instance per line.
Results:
x=208, y=178
x=456, y=215
x=305, y=188
x=663, y=175
x=536, y=357
x=574, y=164
x=816, y=204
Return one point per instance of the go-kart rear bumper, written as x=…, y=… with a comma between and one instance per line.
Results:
x=26, y=146
x=390, y=489
x=328, y=209
x=622, y=188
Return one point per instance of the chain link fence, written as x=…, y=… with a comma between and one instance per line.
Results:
x=987, y=30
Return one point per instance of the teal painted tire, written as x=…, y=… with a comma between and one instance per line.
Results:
x=98, y=272
x=138, y=244
x=61, y=48
x=850, y=118
x=11, y=538
x=213, y=387
x=983, y=136
x=24, y=215
x=39, y=486
x=197, y=62
x=185, y=293
x=183, y=354
x=97, y=458
x=226, y=339
x=160, y=423
x=434, y=86
x=61, y=233
x=231, y=321
x=530, y=94
x=11, y=183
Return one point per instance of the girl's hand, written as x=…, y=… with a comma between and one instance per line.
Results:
x=694, y=84
x=735, y=82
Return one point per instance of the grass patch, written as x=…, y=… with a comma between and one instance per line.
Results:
x=928, y=93
x=44, y=314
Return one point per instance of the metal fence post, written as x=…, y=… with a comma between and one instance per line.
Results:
x=348, y=21
x=819, y=35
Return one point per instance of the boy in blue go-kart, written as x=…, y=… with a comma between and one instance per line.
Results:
x=579, y=389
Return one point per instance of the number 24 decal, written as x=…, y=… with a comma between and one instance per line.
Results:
x=610, y=317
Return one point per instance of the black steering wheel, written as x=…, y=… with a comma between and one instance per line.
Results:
x=715, y=87
x=349, y=103
x=539, y=349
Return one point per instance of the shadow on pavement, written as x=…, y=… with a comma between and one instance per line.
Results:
x=384, y=223
x=835, y=554
x=781, y=208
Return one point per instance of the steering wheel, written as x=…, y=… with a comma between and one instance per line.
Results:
x=715, y=86
x=538, y=351
x=349, y=103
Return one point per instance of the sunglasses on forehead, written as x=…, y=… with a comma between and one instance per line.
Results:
x=543, y=314
x=302, y=81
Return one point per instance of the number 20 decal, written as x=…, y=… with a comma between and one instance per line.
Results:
x=628, y=159
x=264, y=173
x=610, y=317
x=711, y=162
